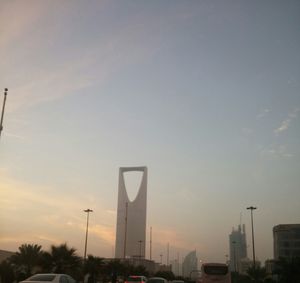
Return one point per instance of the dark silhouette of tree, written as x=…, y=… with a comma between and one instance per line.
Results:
x=6, y=272
x=62, y=259
x=27, y=258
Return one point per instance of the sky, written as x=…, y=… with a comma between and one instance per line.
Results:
x=205, y=93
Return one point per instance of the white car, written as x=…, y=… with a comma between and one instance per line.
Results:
x=50, y=278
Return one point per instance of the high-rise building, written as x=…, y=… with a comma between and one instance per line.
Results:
x=238, y=248
x=190, y=265
x=286, y=239
x=131, y=218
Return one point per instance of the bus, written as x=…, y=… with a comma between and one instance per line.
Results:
x=215, y=273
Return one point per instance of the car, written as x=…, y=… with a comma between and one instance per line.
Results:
x=136, y=279
x=49, y=277
x=157, y=280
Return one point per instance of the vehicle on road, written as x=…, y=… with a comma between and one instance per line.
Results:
x=157, y=280
x=215, y=272
x=49, y=278
x=136, y=279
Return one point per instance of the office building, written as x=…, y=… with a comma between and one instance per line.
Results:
x=286, y=239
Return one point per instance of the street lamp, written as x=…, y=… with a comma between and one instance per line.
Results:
x=140, y=242
x=87, y=229
x=252, y=208
x=2, y=113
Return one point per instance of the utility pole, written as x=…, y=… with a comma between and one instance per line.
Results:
x=168, y=251
x=151, y=243
x=140, y=242
x=86, y=233
x=252, y=208
x=3, y=108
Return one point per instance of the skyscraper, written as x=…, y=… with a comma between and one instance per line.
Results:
x=131, y=218
x=238, y=248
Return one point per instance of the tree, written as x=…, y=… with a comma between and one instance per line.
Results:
x=27, y=258
x=6, y=272
x=62, y=259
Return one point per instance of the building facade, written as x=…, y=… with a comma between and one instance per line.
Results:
x=131, y=218
x=190, y=265
x=286, y=239
x=237, y=248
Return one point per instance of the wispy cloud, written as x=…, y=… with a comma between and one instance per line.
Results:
x=285, y=124
x=276, y=151
x=263, y=113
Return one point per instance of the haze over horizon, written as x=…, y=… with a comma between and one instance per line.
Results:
x=206, y=94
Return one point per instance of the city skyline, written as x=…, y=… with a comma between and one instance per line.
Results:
x=206, y=94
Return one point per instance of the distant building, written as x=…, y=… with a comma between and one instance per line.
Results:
x=190, y=265
x=131, y=218
x=176, y=267
x=5, y=254
x=286, y=239
x=237, y=248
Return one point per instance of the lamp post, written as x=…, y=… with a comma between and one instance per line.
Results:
x=252, y=208
x=87, y=229
x=140, y=243
x=161, y=259
x=3, y=108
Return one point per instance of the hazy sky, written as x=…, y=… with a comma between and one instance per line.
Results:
x=206, y=94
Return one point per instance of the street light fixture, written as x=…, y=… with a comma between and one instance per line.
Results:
x=87, y=229
x=252, y=208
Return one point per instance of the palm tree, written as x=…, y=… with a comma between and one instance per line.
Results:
x=27, y=258
x=62, y=259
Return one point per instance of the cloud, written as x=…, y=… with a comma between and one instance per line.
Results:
x=43, y=215
x=106, y=233
x=263, y=113
x=247, y=131
x=285, y=124
x=276, y=151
